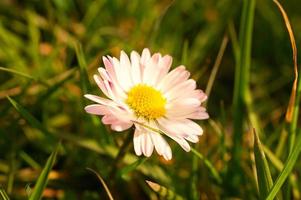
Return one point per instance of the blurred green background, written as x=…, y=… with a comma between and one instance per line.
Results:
x=49, y=51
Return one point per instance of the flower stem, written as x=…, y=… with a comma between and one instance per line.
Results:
x=122, y=152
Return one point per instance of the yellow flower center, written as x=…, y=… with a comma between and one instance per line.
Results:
x=146, y=101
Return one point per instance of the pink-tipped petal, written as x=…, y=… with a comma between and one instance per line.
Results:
x=121, y=126
x=122, y=75
x=163, y=68
x=99, y=100
x=181, y=88
x=192, y=138
x=151, y=70
x=145, y=56
x=97, y=109
x=101, y=85
x=176, y=76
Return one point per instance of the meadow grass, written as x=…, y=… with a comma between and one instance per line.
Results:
x=242, y=53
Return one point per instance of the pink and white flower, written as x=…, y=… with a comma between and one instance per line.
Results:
x=142, y=92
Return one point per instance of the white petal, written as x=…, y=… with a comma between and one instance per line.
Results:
x=163, y=68
x=137, y=141
x=147, y=144
x=100, y=100
x=171, y=133
x=121, y=126
x=192, y=138
x=136, y=68
x=161, y=145
x=181, y=89
x=122, y=75
x=199, y=113
x=126, y=66
x=97, y=109
x=181, y=141
x=109, y=67
x=176, y=76
x=189, y=102
x=116, y=123
x=145, y=56
x=101, y=85
x=179, y=111
x=151, y=70
x=194, y=127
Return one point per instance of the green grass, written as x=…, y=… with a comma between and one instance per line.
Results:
x=239, y=52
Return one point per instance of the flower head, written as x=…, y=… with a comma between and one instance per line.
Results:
x=141, y=92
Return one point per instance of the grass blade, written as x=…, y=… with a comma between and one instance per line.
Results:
x=241, y=84
x=289, y=113
x=54, y=87
x=216, y=66
x=288, y=167
x=29, y=160
x=103, y=183
x=43, y=178
x=3, y=194
x=30, y=118
x=264, y=177
x=164, y=192
x=279, y=166
x=208, y=164
x=83, y=67
x=293, y=107
x=127, y=169
x=12, y=71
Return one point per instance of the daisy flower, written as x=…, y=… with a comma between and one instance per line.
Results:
x=141, y=92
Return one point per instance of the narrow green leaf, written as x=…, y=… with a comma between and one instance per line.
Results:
x=103, y=183
x=272, y=157
x=127, y=169
x=241, y=84
x=54, y=87
x=92, y=12
x=29, y=160
x=83, y=67
x=30, y=118
x=164, y=192
x=12, y=71
x=43, y=178
x=208, y=164
x=3, y=194
x=89, y=144
x=288, y=167
x=279, y=166
x=264, y=177
x=216, y=66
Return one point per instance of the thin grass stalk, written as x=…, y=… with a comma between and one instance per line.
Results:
x=286, y=171
x=103, y=183
x=121, y=153
x=241, y=84
x=293, y=107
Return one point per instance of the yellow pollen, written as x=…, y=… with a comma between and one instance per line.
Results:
x=146, y=102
